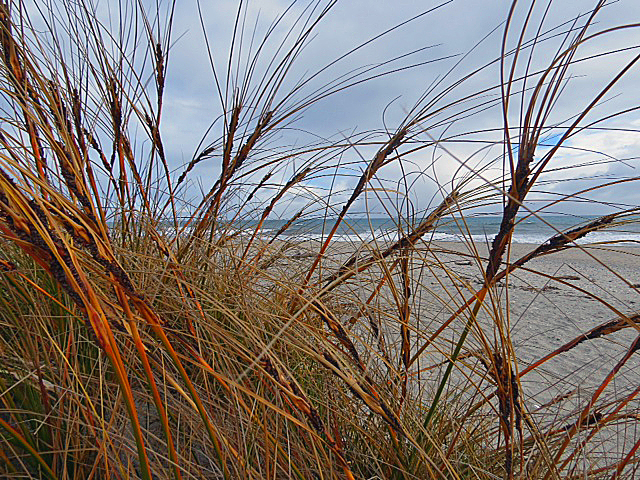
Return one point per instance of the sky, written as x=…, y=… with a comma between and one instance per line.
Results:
x=451, y=31
x=443, y=44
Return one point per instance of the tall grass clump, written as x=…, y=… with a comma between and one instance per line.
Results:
x=158, y=320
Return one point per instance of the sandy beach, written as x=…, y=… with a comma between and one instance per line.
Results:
x=560, y=297
x=553, y=300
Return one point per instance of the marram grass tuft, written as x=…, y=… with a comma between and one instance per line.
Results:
x=151, y=328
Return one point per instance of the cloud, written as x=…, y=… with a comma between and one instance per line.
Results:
x=470, y=130
x=595, y=158
x=453, y=29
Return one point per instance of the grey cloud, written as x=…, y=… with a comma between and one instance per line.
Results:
x=454, y=29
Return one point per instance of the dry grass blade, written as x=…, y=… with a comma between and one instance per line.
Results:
x=606, y=328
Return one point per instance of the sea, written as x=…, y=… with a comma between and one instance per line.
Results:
x=481, y=228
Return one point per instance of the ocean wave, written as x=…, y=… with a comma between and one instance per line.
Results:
x=536, y=236
x=525, y=238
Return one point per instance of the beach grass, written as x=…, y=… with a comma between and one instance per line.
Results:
x=153, y=327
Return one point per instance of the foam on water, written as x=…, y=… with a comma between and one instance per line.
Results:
x=481, y=230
